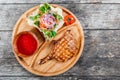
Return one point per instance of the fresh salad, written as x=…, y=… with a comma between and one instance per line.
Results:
x=47, y=19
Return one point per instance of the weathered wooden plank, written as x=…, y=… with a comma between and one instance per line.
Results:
x=10, y=14
x=60, y=78
x=100, y=56
x=102, y=43
x=60, y=1
x=92, y=66
x=91, y=16
x=5, y=45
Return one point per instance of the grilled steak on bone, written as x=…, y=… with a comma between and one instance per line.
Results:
x=63, y=49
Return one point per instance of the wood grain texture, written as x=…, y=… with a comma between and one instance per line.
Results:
x=60, y=1
x=100, y=56
x=59, y=78
x=92, y=66
x=91, y=16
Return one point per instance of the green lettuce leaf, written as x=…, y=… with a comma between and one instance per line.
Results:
x=49, y=33
x=37, y=23
x=45, y=8
x=57, y=16
x=36, y=17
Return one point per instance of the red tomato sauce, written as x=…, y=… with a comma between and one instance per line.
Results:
x=26, y=44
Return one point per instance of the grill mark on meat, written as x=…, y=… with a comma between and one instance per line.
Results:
x=63, y=49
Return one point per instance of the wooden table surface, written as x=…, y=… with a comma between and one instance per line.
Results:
x=101, y=23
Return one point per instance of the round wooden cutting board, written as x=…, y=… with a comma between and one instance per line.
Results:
x=52, y=67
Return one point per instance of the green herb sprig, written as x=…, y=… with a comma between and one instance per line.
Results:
x=59, y=17
x=45, y=8
x=36, y=17
x=37, y=23
x=49, y=34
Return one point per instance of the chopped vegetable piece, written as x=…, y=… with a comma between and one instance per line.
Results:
x=36, y=17
x=53, y=33
x=36, y=23
x=69, y=19
x=57, y=16
x=45, y=8
x=49, y=34
x=47, y=21
x=42, y=9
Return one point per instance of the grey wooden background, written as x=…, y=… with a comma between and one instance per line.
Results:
x=101, y=56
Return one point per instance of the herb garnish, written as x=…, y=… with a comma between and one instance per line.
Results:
x=49, y=33
x=37, y=23
x=59, y=17
x=36, y=17
x=45, y=8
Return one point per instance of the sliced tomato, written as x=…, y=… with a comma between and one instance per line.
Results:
x=69, y=19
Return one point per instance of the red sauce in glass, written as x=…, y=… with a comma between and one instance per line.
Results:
x=26, y=44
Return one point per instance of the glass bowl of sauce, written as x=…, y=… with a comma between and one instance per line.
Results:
x=25, y=44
